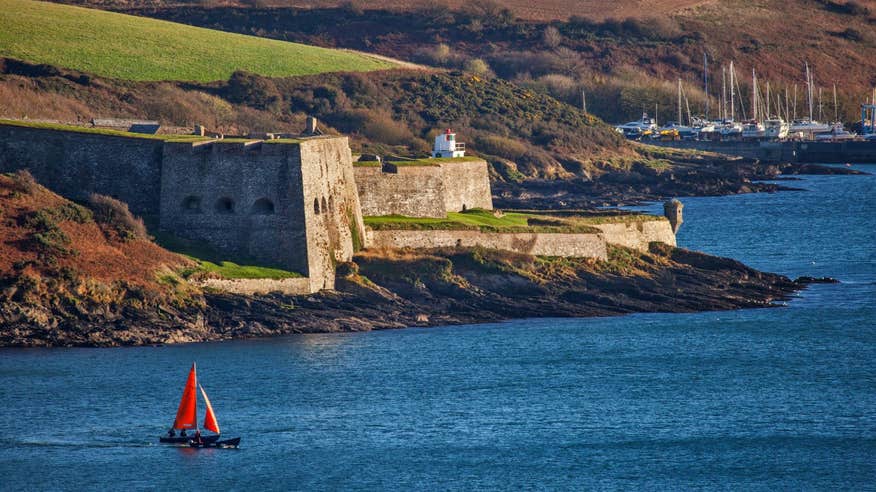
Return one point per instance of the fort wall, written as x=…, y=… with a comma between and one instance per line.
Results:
x=428, y=189
x=251, y=286
x=288, y=204
x=637, y=235
x=466, y=185
x=210, y=192
x=582, y=245
x=412, y=191
x=77, y=164
x=332, y=214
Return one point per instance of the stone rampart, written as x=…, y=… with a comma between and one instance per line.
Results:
x=540, y=244
x=412, y=191
x=427, y=189
x=466, y=185
x=332, y=213
x=76, y=164
x=637, y=235
x=251, y=286
x=288, y=204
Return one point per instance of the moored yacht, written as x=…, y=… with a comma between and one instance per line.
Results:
x=776, y=128
x=753, y=130
x=635, y=129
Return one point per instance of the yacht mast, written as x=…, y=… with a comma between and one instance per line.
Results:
x=809, y=89
x=723, y=93
x=705, y=81
x=679, y=102
x=835, y=109
x=754, y=113
x=767, y=116
x=732, y=95
x=820, y=106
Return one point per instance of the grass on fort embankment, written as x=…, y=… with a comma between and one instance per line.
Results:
x=487, y=221
x=138, y=48
x=212, y=261
x=101, y=131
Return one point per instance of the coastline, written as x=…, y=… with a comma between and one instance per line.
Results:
x=450, y=286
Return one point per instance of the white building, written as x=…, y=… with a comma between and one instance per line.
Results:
x=446, y=146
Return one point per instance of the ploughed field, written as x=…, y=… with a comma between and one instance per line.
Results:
x=137, y=48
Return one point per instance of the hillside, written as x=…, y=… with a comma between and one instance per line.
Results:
x=126, y=47
x=625, y=60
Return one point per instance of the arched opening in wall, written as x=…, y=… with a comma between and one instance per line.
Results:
x=263, y=206
x=316, y=206
x=332, y=203
x=324, y=205
x=192, y=205
x=224, y=205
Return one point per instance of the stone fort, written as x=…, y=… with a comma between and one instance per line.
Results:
x=294, y=203
x=290, y=202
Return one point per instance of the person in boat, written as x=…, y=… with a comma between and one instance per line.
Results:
x=171, y=433
x=182, y=433
x=198, y=439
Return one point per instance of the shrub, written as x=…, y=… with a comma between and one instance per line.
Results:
x=551, y=37
x=382, y=127
x=501, y=146
x=253, y=90
x=478, y=67
x=46, y=238
x=23, y=182
x=115, y=214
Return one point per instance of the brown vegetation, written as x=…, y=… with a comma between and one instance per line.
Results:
x=620, y=53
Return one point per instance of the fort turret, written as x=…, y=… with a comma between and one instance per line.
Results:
x=672, y=209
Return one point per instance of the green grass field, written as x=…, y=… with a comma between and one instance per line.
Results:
x=138, y=48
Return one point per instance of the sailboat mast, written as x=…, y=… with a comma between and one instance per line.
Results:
x=835, y=109
x=705, y=81
x=753, y=95
x=723, y=93
x=732, y=95
x=820, y=106
x=679, y=101
x=768, y=100
x=795, y=101
x=809, y=89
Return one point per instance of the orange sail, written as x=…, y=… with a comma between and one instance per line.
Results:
x=209, y=418
x=187, y=414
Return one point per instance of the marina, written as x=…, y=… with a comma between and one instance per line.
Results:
x=772, y=130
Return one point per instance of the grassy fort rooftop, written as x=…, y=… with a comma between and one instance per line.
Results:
x=491, y=221
x=137, y=48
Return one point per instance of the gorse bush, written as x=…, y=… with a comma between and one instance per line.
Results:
x=23, y=182
x=115, y=214
x=252, y=90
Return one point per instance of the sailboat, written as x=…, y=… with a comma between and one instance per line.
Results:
x=187, y=419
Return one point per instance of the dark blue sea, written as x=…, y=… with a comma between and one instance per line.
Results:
x=781, y=398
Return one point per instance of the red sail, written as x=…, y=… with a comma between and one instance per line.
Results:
x=209, y=418
x=187, y=414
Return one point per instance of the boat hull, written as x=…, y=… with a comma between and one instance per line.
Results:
x=186, y=439
x=227, y=443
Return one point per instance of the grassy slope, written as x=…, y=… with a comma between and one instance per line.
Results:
x=484, y=220
x=213, y=262
x=134, y=48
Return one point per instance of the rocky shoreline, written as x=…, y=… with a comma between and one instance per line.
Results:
x=716, y=176
x=389, y=290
